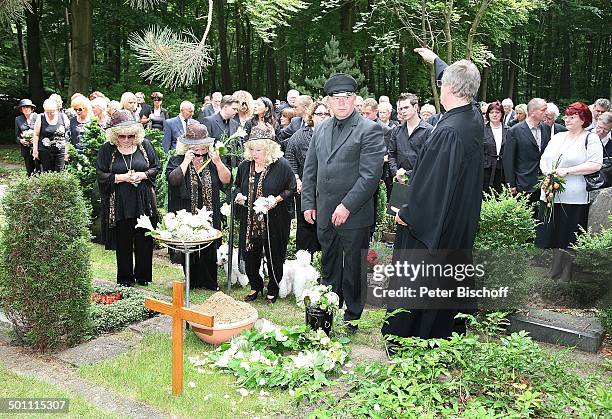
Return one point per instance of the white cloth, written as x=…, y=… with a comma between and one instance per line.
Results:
x=572, y=152
x=497, y=134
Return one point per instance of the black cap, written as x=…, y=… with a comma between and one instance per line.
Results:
x=25, y=102
x=340, y=83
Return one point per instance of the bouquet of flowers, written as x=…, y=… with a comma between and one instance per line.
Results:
x=182, y=226
x=322, y=297
x=551, y=184
x=28, y=135
x=402, y=176
x=261, y=204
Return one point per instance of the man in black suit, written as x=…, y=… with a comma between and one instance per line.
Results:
x=550, y=118
x=212, y=108
x=341, y=172
x=292, y=96
x=177, y=126
x=524, y=146
x=222, y=125
x=142, y=110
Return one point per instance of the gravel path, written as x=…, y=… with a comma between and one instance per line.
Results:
x=48, y=370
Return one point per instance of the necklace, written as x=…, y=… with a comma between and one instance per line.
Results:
x=129, y=168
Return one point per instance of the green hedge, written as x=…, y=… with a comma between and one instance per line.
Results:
x=110, y=317
x=45, y=272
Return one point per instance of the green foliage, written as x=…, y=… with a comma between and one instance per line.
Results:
x=45, y=277
x=605, y=317
x=593, y=251
x=161, y=183
x=129, y=309
x=287, y=357
x=333, y=62
x=384, y=221
x=83, y=164
x=464, y=376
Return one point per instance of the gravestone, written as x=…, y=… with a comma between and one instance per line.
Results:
x=585, y=333
x=601, y=205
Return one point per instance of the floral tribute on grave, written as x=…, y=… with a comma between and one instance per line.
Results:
x=182, y=226
x=114, y=307
x=282, y=357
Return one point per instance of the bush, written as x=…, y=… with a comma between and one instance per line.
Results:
x=593, y=251
x=45, y=275
x=605, y=317
x=128, y=309
x=505, y=231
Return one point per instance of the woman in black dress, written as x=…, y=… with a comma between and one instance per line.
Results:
x=82, y=108
x=51, y=132
x=494, y=139
x=264, y=174
x=126, y=167
x=263, y=123
x=193, y=185
x=25, y=123
x=158, y=115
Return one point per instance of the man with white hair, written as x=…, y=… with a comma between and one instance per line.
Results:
x=212, y=108
x=550, y=119
x=599, y=107
x=509, y=113
x=392, y=114
x=292, y=96
x=302, y=103
x=442, y=209
x=602, y=129
x=175, y=127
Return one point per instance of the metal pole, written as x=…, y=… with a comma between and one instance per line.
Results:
x=230, y=244
x=187, y=267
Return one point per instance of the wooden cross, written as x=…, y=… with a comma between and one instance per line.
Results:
x=179, y=313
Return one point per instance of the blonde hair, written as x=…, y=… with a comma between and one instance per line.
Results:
x=270, y=147
x=125, y=98
x=81, y=101
x=182, y=148
x=58, y=100
x=244, y=96
x=134, y=129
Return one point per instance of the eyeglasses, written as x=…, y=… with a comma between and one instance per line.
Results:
x=157, y=99
x=244, y=104
x=439, y=83
x=126, y=137
x=321, y=113
x=78, y=110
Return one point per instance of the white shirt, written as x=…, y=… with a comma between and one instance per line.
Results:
x=497, y=134
x=572, y=152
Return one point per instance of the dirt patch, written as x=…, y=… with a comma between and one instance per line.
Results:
x=225, y=309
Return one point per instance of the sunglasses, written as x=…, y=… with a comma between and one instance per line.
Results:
x=78, y=110
x=244, y=104
x=125, y=137
x=321, y=113
x=157, y=99
x=439, y=83
x=198, y=155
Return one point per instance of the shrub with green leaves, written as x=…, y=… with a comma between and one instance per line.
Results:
x=126, y=310
x=45, y=276
x=593, y=251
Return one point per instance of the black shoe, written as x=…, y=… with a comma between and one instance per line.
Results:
x=271, y=299
x=142, y=283
x=351, y=329
x=252, y=296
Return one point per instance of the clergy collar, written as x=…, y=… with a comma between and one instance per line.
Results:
x=345, y=120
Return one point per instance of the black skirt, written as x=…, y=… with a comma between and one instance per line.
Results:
x=564, y=224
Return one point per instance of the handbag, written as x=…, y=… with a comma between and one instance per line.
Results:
x=602, y=178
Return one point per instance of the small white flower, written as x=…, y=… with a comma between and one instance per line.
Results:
x=291, y=392
x=325, y=341
x=245, y=365
x=279, y=336
x=165, y=234
x=225, y=209
x=262, y=392
x=226, y=396
x=243, y=392
x=207, y=397
x=262, y=382
x=255, y=356
x=144, y=222
x=191, y=384
x=377, y=407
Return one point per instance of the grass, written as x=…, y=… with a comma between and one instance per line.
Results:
x=284, y=312
x=15, y=386
x=144, y=374
x=10, y=154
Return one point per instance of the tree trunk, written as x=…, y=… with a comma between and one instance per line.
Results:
x=248, y=68
x=565, y=87
x=81, y=46
x=272, y=86
x=447, y=31
x=35, y=76
x=484, y=85
x=240, y=50
x=403, y=78
x=282, y=68
x=434, y=87
x=226, y=77
x=512, y=73
x=473, y=29
x=22, y=53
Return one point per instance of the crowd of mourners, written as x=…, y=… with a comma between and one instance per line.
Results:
x=320, y=160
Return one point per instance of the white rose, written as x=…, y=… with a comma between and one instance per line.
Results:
x=225, y=209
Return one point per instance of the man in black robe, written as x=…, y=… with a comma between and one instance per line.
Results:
x=441, y=214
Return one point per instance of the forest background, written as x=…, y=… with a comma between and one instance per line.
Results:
x=558, y=50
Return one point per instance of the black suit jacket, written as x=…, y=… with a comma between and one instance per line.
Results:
x=289, y=130
x=557, y=128
x=490, y=148
x=521, y=158
x=217, y=129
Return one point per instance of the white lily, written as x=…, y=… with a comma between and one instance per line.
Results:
x=144, y=222
x=225, y=209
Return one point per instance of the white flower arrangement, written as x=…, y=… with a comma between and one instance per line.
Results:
x=28, y=135
x=225, y=209
x=182, y=226
x=261, y=204
x=321, y=296
x=402, y=176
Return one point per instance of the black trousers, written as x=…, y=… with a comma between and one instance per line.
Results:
x=203, y=268
x=31, y=165
x=51, y=159
x=274, y=263
x=341, y=261
x=131, y=241
x=306, y=234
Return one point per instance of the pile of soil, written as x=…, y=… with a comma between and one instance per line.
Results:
x=225, y=309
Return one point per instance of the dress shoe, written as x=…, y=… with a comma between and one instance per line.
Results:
x=252, y=296
x=271, y=299
x=351, y=329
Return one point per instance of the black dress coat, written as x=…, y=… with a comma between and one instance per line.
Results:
x=493, y=166
x=146, y=202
